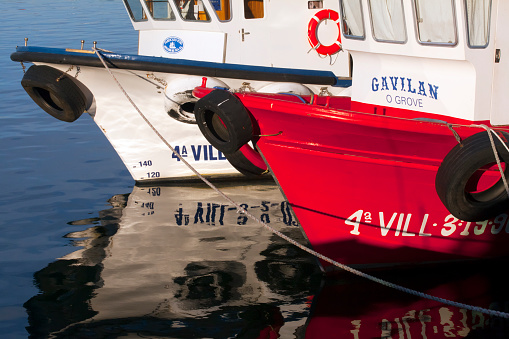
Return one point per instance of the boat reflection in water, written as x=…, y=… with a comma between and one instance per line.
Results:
x=353, y=307
x=179, y=262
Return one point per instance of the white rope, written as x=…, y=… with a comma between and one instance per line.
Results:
x=240, y=209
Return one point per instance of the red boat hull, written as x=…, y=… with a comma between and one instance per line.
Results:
x=363, y=185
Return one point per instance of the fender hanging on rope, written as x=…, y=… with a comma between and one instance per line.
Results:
x=55, y=92
x=463, y=179
x=223, y=121
x=247, y=161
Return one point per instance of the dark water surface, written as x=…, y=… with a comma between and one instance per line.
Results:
x=84, y=253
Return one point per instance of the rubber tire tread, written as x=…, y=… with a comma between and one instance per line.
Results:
x=232, y=113
x=239, y=161
x=70, y=96
x=457, y=168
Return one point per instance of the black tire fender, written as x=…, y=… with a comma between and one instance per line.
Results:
x=55, y=92
x=223, y=121
x=461, y=170
x=244, y=165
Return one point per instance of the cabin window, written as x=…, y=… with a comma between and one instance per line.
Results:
x=192, y=10
x=352, y=23
x=478, y=22
x=135, y=10
x=253, y=9
x=160, y=9
x=387, y=20
x=315, y=4
x=435, y=21
x=222, y=8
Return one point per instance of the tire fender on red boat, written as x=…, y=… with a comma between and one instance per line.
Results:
x=223, y=120
x=178, y=98
x=326, y=14
x=247, y=161
x=460, y=173
x=226, y=124
x=55, y=92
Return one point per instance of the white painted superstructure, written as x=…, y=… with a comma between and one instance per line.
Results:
x=248, y=45
x=448, y=61
x=247, y=32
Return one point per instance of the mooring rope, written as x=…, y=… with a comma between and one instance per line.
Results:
x=240, y=209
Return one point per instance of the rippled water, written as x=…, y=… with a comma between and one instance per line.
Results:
x=86, y=253
x=52, y=172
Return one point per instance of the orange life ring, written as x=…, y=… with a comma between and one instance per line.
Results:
x=325, y=14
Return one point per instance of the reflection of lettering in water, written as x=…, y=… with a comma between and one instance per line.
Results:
x=211, y=213
x=452, y=323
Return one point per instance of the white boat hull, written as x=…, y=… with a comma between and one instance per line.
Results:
x=141, y=112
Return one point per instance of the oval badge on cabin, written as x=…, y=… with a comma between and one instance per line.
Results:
x=173, y=44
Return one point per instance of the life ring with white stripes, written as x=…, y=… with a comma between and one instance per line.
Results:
x=326, y=14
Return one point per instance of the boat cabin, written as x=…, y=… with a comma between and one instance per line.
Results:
x=248, y=32
x=441, y=57
x=444, y=57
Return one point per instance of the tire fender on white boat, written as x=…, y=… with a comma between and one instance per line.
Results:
x=462, y=169
x=179, y=100
x=55, y=92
